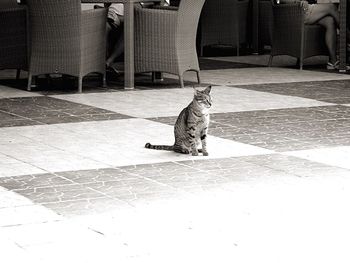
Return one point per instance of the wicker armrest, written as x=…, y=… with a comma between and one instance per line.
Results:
x=156, y=27
x=156, y=14
x=288, y=15
x=164, y=7
x=93, y=38
x=150, y=4
x=93, y=19
x=288, y=19
x=154, y=19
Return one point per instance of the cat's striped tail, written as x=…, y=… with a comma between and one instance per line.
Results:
x=159, y=147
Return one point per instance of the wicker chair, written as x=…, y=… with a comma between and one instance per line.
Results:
x=66, y=40
x=224, y=22
x=13, y=36
x=292, y=37
x=165, y=39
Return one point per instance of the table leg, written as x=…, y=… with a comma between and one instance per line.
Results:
x=129, y=45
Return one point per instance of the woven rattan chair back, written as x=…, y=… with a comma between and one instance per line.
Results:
x=54, y=36
x=187, y=20
x=224, y=22
x=13, y=36
x=65, y=40
x=292, y=37
x=165, y=39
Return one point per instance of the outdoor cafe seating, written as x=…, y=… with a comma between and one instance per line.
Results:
x=35, y=39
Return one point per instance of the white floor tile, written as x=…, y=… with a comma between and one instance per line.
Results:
x=10, y=216
x=160, y=103
x=12, y=199
x=91, y=145
x=335, y=156
x=7, y=92
x=12, y=253
x=48, y=232
x=10, y=166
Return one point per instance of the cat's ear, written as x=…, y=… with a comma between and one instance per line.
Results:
x=207, y=90
x=195, y=90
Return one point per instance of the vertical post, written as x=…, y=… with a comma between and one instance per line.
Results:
x=342, y=36
x=129, y=44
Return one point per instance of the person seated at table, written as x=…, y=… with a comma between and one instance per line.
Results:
x=326, y=15
x=115, y=36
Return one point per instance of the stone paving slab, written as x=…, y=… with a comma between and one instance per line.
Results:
x=169, y=102
x=80, y=187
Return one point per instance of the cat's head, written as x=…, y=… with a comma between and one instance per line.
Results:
x=203, y=98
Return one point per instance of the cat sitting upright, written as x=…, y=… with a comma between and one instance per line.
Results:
x=191, y=126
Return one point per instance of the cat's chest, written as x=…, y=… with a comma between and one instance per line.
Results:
x=202, y=122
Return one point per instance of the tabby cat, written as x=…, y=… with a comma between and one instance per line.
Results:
x=191, y=126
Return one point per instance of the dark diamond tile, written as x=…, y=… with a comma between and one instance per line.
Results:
x=47, y=110
x=98, y=176
x=86, y=206
x=59, y=193
x=129, y=190
x=165, y=120
x=335, y=91
x=32, y=181
x=295, y=166
x=283, y=129
x=18, y=122
x=213, y=164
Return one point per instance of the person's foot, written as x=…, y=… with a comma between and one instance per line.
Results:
x=112, y=68
x=335, y=66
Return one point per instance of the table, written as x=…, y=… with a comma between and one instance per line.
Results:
x=342, y=30
x=129, y=68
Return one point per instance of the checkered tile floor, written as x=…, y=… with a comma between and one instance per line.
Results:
x=77, y=184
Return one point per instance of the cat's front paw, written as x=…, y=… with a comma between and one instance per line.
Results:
x=195, y=153
x=205, y=153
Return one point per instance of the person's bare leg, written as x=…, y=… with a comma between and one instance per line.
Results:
x=331, y=36
x=117, y=50
x=320, y=11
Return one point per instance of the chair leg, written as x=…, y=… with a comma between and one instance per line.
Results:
x=18, y=74
x=29, y=85
x=300, y=64
x=270, y=61
x=198, y=77
x=181, y=81
x=201, y=50
x=80, y=85
x=104, y=80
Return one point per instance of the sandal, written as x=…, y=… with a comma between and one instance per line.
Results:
x=334, y=66
x=113, y=69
